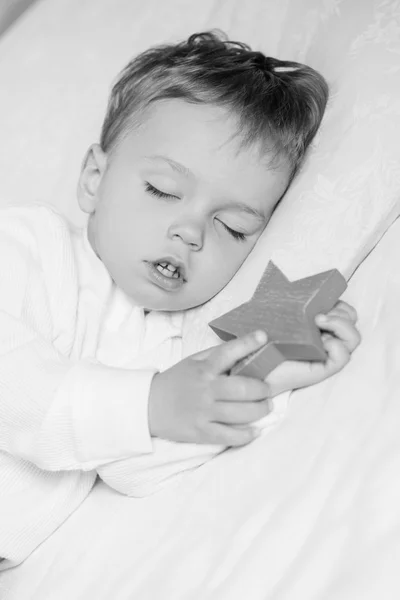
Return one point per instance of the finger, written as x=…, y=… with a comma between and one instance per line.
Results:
x=240, y=389
x=322, y=321
x=233, y=436
x=342, y=310
x=335, y=313
x=227, y=355
x=345, y=331
x=347, y=308
x=204, y=354
x=338, y=355
x=240, y=413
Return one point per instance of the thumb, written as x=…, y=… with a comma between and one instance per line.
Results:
x=224, y=357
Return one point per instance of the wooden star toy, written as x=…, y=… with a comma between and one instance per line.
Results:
x=286, y=311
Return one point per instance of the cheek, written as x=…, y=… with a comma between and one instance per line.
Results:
x=221, y=264
x=123, y=208
x=122, y=192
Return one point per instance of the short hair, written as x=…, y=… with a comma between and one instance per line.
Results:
x=277, y=103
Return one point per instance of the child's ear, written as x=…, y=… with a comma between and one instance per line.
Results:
x=93, y=167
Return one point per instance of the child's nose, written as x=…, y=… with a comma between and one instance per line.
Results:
x=190, y=232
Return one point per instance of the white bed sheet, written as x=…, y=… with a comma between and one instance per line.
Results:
x=311, y=510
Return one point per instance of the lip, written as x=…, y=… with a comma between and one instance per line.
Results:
x=166, y=283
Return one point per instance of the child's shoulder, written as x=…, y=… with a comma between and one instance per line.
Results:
x=33, y=227
x=33, y=213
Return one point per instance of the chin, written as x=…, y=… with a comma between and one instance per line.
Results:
x=165, y=306
x=157, y=304
x=169, y=304
x=160, y=300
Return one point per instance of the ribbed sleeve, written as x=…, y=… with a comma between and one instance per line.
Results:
x=63, y=416
x=58, y=413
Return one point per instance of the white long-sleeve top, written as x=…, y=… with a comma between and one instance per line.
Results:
x=76, y=362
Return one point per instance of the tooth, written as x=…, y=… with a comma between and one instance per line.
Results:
x=164, y=271
x=168, y=272
x=167, y=266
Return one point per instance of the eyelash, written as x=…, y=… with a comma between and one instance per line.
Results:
x=159, y=194
x=155, y=192
x=235, y=234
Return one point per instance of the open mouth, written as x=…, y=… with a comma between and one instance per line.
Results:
x=167, y=273
x=168, y=270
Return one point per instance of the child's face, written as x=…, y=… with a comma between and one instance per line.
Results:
x=177, y=192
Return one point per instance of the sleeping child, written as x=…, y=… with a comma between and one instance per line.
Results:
x=200, y=142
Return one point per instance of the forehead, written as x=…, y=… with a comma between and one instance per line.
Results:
x=205, y=139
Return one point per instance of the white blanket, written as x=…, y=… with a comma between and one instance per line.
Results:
x=310, y=510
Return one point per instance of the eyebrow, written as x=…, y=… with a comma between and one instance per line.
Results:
x=249, y=210
x=182, y=170
x=176, y=166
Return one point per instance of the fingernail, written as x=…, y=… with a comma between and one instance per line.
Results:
x=322, y=318
x=261, y=337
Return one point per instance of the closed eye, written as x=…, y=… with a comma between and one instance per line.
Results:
x=235, y=234
x=155, y=192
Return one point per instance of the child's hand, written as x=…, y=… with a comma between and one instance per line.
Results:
x=340, y=338
x=196, y=401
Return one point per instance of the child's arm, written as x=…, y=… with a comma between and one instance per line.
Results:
x=194, y=401
x=58, y=413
